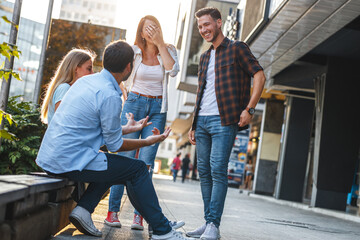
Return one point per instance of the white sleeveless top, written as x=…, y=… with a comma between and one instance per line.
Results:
x=148, y=80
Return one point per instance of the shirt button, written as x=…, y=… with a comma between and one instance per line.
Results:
x=104, y=160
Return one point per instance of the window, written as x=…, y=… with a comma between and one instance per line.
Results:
x=62, y=14
x=85, y=3
x=98, y=6
x=170, y=146
x=162, y=146
x=77, y=15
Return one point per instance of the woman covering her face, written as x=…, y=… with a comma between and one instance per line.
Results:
x=154, y=62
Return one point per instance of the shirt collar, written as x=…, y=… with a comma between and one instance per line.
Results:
x=137, y=50
x=225, y=42
x=107, y=75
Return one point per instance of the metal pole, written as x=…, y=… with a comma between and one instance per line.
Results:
x=5, y=85
x=42, y=56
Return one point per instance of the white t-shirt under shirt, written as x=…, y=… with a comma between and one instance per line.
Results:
x=208, y=105
x=148, y=80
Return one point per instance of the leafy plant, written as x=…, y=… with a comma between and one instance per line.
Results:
x=17, y=155
x=8, y=50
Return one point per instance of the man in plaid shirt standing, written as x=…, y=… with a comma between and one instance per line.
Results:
x=223, y=104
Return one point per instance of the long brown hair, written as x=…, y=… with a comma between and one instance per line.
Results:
x=65, y=73
x=139, y=41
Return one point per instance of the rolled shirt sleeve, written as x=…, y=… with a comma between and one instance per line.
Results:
x=176, y=68
x=110, y=112
x=247, y=60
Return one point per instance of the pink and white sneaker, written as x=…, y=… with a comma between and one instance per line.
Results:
x=112, y=220
x=137, y=222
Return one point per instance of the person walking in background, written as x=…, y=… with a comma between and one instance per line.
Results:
x=154, y=61
x=175, y=166
x=76, y=64
x=185, y=166
x=88, y=117
x=249, y=168
x=223, y=104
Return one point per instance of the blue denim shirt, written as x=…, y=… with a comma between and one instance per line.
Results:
x=87, y=118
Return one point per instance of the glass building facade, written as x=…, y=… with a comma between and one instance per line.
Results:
x=29, y=41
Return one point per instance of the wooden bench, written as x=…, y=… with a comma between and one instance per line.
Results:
x=34, y=206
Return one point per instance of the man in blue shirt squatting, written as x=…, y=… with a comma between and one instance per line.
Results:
x=89, y=117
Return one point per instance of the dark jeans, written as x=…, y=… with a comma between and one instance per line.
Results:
x=183, y=173
x=134, y=175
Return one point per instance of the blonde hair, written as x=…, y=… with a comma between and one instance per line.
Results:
x=65, y=73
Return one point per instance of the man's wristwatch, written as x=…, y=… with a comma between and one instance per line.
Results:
x=250, y=110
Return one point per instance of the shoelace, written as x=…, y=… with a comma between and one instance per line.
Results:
x=114, y=218
x=179, y=235
x=137, y=219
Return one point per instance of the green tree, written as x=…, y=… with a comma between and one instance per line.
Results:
x=65, y=35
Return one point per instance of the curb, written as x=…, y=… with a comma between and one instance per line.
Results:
x=331, y=213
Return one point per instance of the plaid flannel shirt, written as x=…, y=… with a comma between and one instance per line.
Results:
x=234, y=67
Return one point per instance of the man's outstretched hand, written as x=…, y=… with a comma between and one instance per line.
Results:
x=134, y=126
x=157, y=137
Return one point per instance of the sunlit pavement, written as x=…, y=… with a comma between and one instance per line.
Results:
x=244, y=217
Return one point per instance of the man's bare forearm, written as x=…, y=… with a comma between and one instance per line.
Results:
x=127, y=130
x=133, y=144
x=258, y=86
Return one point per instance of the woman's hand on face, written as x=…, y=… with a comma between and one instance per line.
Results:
x=155, y=35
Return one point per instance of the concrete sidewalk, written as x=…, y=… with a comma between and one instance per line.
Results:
x=244, y=217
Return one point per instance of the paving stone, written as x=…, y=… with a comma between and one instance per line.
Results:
x=244, y=217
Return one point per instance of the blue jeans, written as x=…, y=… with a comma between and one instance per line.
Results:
x=141, y=107
x=175, y=172
x=130, y=172
x=213, y=147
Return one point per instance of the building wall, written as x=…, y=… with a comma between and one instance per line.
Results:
x=101, y=12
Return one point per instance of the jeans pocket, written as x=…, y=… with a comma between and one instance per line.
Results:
x=159, y=102
x=132, y=97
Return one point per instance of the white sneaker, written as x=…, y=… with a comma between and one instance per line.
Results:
x=211, y=232
x=176, y=224
x=81, y=219
x=173, y=235
x=197, y=232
